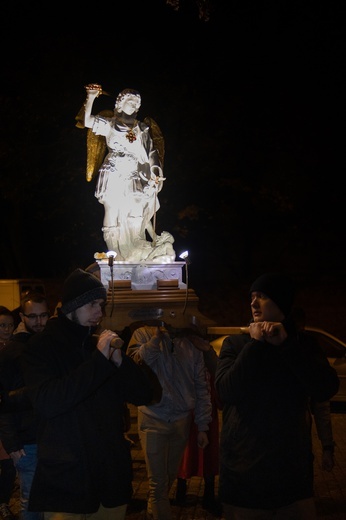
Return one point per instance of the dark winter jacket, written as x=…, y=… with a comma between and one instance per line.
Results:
x=78, y=394
x=17, y=419
x=265, y=445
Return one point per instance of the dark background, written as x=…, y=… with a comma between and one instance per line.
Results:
x=249, y=101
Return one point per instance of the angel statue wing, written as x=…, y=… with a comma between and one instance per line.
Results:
x=96, y=145
x=157, y=138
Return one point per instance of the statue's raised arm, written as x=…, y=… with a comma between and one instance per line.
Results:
x=93, y=91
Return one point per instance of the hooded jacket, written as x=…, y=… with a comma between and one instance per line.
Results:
x=180, y=369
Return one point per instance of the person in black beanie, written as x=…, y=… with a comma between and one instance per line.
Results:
x=265, y=380
x=78, y=386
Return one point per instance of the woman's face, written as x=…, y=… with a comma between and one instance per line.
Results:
x=6, y=327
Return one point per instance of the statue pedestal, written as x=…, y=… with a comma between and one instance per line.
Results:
x=142, y=276
x=149, y=292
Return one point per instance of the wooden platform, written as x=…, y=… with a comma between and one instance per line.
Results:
x=177, y=307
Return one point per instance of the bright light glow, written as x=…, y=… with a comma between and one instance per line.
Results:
x=111, y=253
x=184, y=255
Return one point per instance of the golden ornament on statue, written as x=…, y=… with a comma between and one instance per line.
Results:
x=131, y=136
x=94, y=86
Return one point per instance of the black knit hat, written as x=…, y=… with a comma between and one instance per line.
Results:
x=278, y=288
x=80, y=288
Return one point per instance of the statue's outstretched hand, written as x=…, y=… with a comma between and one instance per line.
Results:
x=93, y=89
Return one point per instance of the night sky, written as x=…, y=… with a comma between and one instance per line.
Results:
x=250, y=105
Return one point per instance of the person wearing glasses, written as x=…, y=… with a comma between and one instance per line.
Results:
x=7, y=469
x=17, y=425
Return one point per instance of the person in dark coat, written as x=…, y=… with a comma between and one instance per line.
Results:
x=265, y=380
x=78, y=386
x=18, y=426
x=7, y=469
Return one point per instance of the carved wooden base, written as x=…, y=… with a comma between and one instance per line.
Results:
x=176, y=307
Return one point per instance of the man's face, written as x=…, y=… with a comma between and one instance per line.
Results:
x=90, y=314
x=264, y=309
x=35, y=316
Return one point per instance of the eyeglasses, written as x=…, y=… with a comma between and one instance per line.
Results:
x=7, y=325
x=41, y=316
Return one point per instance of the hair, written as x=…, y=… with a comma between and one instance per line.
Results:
x=123, y=94
x=33, y=296
x=4, y=311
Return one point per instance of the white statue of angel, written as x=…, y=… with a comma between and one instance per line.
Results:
x=127, y=155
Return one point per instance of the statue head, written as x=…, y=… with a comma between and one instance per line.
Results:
x=128, y=95
x=164, y=238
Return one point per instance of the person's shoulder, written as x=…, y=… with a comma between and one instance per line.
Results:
x=21, y=337
x=308, y=341
x=50, y=330
x=14, y=347
x=40, y=344
x=5, y=352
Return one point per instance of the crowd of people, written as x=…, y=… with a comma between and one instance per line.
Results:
x=65, y=383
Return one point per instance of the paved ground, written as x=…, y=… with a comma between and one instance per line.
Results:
x=330, y=488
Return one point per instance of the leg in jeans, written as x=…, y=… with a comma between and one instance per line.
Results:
x=26, y=466
x=163, y=445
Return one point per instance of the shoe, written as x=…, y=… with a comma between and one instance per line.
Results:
x=212, y=506
x=6, y=513
x=180, y=495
